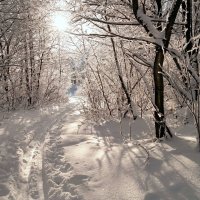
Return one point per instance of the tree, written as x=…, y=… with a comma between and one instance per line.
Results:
x=159, y=33
x=28, y=49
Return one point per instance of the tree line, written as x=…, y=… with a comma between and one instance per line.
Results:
x=142, y=53
x=29, y=72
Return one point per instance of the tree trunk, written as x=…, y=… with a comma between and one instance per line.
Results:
x=26, y=71
x=159, y=93
x=159, y=60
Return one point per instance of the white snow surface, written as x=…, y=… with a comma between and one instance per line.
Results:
x=53, y=153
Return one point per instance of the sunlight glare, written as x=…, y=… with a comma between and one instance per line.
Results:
x=59, y=22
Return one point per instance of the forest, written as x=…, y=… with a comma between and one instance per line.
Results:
x=123, y=74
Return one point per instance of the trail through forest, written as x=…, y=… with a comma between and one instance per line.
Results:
x=23, y=135
x=52, y=153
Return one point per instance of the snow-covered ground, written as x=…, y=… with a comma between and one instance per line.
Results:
x=53, y=153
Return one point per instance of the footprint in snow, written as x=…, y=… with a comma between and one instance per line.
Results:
x=78, y=179
x=58, y=179
x=66, y=168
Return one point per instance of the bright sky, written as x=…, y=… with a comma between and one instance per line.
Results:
x=60, y=21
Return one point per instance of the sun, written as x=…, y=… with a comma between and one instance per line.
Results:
x=59, y=21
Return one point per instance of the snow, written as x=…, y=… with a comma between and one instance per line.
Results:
x=55, y=153
x=158, y=36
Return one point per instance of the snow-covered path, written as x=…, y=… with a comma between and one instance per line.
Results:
x=101, y=166
x=107, y=168
x=50, y=154
x=22, y=137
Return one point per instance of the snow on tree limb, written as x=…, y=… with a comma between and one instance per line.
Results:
x=113, y=35
x=146, y=21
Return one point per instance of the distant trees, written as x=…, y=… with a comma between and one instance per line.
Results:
x=28, y=63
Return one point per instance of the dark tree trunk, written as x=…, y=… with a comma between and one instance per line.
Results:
x=159, y=60
x=26, y=71
x=159, y=93
x=158, y=77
